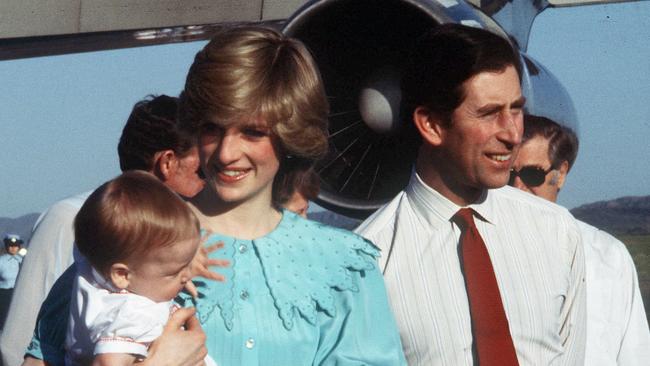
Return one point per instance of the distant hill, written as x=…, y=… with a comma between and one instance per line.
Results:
x=621, y=216
x=22, y=226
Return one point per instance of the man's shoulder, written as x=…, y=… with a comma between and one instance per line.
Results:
x=64, y=209
x=382, y=219
x=74, y=202
x=604, y=245
x=515, y=198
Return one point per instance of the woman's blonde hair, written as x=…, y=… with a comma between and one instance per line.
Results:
x=256, y=72
x=128, y=216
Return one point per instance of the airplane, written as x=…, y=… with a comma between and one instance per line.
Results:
x=358, y=45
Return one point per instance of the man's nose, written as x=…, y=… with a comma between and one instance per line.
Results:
x=511, y=128
x=519, y=184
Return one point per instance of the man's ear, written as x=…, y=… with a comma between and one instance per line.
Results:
x=563, y=170
x=165, y=163
x=429, y=126
x=120, y=275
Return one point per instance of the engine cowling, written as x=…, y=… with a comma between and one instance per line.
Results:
x=360, y=47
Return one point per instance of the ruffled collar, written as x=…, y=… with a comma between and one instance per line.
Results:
x=303, y=263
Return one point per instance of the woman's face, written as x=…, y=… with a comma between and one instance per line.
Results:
x=239, y=161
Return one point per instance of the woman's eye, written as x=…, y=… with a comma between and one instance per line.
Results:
x=253, y=132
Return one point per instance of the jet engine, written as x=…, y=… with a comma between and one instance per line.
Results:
x=360, y=47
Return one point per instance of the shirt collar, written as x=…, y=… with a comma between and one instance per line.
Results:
x=98, y=277
x=436, y=209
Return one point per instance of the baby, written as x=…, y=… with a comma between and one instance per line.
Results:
x=137, y=239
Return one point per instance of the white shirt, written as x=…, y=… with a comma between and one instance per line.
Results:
x=538, y=261
x=617, y=331
x=50, y=253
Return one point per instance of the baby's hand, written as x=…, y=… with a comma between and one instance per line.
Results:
x=201, y=263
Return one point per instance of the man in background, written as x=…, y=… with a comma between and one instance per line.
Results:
x=150, y=141
x=617, y=327
x=9, y=267
x=294, y=191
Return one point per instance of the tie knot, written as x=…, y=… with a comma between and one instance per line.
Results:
x=464, y=218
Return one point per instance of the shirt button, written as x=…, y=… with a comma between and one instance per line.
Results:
x=243, y=248
x=243, y=295
x=250, y=343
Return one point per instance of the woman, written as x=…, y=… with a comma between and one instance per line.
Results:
x=297, y=292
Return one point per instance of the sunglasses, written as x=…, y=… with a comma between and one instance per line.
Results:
x=532, y=176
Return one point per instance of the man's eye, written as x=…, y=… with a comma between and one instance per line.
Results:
x=490, y=114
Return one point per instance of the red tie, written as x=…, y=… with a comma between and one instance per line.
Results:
x=489, y=323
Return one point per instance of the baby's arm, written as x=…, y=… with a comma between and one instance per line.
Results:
x=117, y=359
x=201, y=264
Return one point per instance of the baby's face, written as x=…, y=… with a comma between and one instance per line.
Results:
x=162, y=273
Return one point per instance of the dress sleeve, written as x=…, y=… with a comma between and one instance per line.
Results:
x=52, y=321
x=336, y=286
x=364, y=331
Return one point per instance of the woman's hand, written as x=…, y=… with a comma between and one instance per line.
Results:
x=182, y=342
x=201, y=263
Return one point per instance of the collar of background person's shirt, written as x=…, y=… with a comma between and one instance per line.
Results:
x=437, y=210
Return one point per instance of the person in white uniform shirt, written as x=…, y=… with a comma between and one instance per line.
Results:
x=150, y=141
x=461, y=90
x=137, y=239
x=617, y=326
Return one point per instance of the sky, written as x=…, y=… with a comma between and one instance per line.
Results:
x=61, y=116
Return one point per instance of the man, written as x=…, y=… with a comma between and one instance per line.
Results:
x=294, y=191
x=9, y=267
x=617, y=331
x=150, y=141
x=478, y=285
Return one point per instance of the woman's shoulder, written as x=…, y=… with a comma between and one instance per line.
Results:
x=305, y=257
x=302, y=232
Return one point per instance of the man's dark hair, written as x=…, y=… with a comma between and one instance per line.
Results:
x=151, y=127
x=562, y=141
x=443, y=59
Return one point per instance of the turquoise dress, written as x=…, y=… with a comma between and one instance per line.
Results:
x=304, y=294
